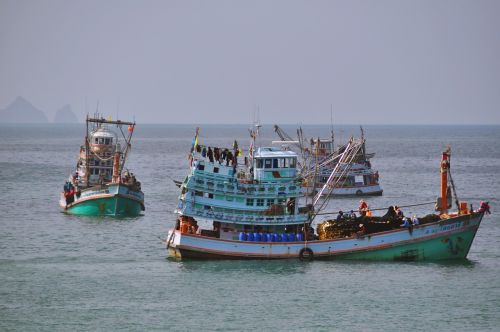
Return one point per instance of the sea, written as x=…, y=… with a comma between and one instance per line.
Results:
x=60, y=272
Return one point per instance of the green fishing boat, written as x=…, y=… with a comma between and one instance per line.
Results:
x=99, y=186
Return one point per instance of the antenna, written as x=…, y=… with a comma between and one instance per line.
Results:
x=331, y=118
x=332, y=148
x=117, y=108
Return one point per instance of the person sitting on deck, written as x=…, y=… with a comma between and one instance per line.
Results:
x=415, y=220
x=406, y=222
x=352, y=215
x=340, y=216
x=399, y=213
x=362, y=231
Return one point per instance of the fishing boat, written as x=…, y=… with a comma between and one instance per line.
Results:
x=99, y=186
x=320, y=158
x=232, y=211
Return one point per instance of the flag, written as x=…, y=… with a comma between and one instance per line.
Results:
x=195, y=141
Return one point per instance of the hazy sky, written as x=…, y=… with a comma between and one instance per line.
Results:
x=377, y=62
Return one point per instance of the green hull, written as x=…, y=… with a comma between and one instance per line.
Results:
x=454, y=246
x=108, y=206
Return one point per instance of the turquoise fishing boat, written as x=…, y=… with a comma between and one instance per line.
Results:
x=99, y=186
x=251, y=210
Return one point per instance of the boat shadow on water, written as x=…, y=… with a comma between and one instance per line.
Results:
x=100, y=219
x=277, y=267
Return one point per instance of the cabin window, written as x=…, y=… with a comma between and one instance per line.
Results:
x=96, y=140
x=201, y=167
x=229, y=198
x=270, y=202
x=216, y=169
x=249, y=201
x=281, y=162
x=293, y=162
x=260, y=202
x=106, y=141
x=275, y=163
x=198, y=193
x=267, y=163
x=281, y=200
x=101, y=140
x=97, y=163
x=259, y=163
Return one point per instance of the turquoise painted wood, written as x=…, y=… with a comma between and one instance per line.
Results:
x=109, y=200
x=110, y=206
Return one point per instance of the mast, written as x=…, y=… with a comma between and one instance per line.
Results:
x=445, y=166
x=87, y=155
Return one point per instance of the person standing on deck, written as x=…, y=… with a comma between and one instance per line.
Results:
x=363, y=207
x=210, y=155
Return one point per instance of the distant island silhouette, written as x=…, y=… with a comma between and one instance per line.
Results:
x=23, y=111
x=65, y=115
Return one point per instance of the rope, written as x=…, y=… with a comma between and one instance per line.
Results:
x=381, y=209
x=454, y=190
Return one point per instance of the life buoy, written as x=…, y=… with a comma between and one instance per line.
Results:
x=306, y=254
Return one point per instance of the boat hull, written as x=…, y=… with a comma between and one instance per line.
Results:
x=444, y=240
x=371, y=190
x=115, y=201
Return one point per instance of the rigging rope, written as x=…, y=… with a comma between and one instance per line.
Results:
x=453, y=187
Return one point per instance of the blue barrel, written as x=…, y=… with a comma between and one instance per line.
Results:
x=269, y=237
x=300, y=237
x=263, y=237
x=243, y=236
x=291, y=237
x=276, y=238
x=250, y=237
x=284, y=237
x=256, y=237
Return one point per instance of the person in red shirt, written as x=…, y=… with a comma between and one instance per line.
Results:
x=363, y=207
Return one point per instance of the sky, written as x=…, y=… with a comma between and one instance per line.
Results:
x=205, y=62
